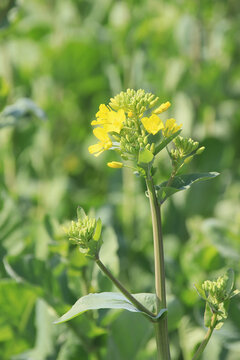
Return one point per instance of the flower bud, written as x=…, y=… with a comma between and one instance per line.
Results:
x=152, y=148
x=115, y=165
x=188, y=159
x=200, y=150
x=86, y=232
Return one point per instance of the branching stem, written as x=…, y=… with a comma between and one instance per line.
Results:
x=123, y=290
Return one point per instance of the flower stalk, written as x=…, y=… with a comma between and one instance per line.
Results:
x=206, y=338
x=161, y=328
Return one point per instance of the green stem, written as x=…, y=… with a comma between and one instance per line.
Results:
x=161, y=329
x=127, y=294
x=206, y=338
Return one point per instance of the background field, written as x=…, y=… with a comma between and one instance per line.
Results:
x=68, y=57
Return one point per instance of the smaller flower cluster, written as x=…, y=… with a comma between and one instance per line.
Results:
x=85, y=232
x=184, y=151
x=215, y=290
x=217, y=295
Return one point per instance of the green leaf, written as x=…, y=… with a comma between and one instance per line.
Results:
x=109, y=300
x=17, y=329
x=127, y=337
x=48, y=278
x=165, y=142
x=200, y=292
x=145, y=156
x=207, y=315
x=230, y=281
x=98, y=230
x=182, y=182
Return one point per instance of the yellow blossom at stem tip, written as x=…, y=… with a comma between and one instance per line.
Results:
x=115, y=165
x=152, y=124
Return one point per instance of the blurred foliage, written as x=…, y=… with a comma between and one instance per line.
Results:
x=68, y=57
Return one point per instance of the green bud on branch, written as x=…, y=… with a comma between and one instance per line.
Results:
x=86, y=232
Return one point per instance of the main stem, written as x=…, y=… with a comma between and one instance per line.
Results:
x=161, y=329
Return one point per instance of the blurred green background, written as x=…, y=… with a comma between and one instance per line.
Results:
x=68, y=57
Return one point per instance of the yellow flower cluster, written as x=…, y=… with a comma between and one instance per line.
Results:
x=129, y=128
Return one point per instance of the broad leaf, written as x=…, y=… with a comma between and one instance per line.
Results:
x=145, y=156
x=181, y=182
x=48, y=278
x=109, y=300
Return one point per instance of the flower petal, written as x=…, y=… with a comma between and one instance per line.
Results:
x=171, y=127
x=152, y=124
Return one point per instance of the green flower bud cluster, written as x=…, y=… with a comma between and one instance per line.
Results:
x=216, y=290
x=132, y=141
x=85, y=232
x=185, y=149
x=217, y=295
x=136, y=102
x=81, y=231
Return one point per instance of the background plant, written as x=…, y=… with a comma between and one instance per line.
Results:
x=68, y=66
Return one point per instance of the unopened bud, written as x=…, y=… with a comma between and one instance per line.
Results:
x=188, y=159
x=115, y=165
x=200, y=150
x=152, y=148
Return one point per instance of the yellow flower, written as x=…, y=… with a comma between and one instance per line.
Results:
x=163, y=107
x=170, y=127
x=105, y=142
x=115, y=121
x=115, y=164
x=101, y=115
x=103, y=112
x=109, y=119
x=152, y=124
